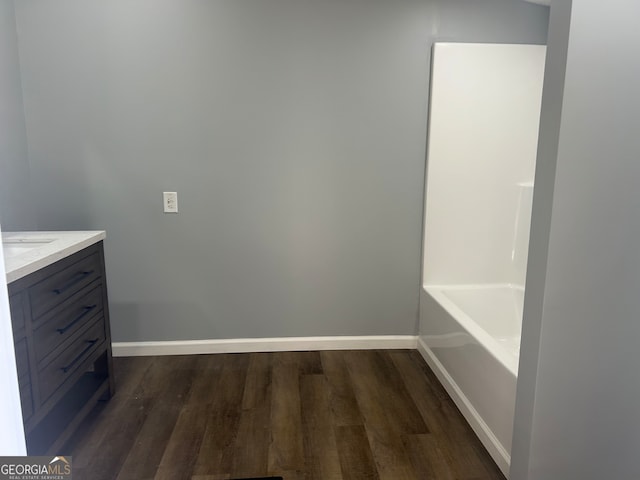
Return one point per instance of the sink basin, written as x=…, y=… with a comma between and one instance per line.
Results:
x=12, y=248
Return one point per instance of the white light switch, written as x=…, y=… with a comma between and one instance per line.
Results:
x=170, y=201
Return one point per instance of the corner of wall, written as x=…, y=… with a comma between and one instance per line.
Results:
x=16, y=202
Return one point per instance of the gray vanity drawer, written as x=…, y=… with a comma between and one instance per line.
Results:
x=57, y=288
x=53, y=375
x=58, y=328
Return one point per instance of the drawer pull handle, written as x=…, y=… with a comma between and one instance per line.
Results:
x=78, y=277
x=80, y=355
x=84, y=313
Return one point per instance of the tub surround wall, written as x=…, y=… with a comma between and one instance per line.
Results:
x=483, y=128
x=521, y=233
x=483, y=131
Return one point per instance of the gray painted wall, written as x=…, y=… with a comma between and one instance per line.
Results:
x=16, y=208
x=548, y=139
x=293, y=132
x=579, y=392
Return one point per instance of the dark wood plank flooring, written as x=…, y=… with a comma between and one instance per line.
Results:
x=303, y=415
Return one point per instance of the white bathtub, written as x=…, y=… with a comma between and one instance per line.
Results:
x=470, y=337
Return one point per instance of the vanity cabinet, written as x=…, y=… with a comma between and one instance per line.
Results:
x=62, y=341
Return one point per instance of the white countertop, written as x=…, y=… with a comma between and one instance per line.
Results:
x=27, y=252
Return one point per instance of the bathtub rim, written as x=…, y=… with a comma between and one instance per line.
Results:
x=490, y=344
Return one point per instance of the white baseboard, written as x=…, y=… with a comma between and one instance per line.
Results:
x=247, y=345
x=479, y=426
